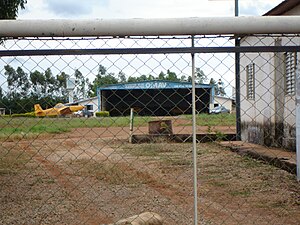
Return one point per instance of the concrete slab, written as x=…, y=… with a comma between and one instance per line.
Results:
x=281, y=158
x=201, y=138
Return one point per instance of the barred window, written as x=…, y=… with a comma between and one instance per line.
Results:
x=89, y=107
x=250, y=81
x=290, y=72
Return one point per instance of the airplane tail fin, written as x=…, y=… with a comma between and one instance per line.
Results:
x=38, y=109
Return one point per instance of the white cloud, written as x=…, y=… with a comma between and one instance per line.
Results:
x=51, y=9
x=69, y=8
x=163, y=9
x=89, y=9
x=61, y=9
x=258, y=7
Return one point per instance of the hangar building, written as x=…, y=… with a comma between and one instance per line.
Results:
x=154, y=98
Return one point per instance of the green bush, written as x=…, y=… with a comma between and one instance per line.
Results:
x=5, y=116
x=102, y=114
x=29, y=114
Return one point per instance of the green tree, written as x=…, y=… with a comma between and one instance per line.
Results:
x=23, y=82
x=50, y=82
x=183, y=78
x=24, y=90
x=61, y=84
x=109, y=78
x=162, y=76
x=9, y=8
x=46, y=84
x=80, y=85
x=150, y=77
x=142, y=78
x=88, y=84
x=102, y=78
x=1, y=93
x=17, y=81
x=102, y=70
x=171, y=76
x=121, y=77
x=131, y=79
x=38, y=83
x=200, y=76
x=11, y=75
x=18, y=99
x=137, y=79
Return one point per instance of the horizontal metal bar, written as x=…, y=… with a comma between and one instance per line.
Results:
x=130, y=51
x=148, y=27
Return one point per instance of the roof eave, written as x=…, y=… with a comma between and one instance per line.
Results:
x=282, y=8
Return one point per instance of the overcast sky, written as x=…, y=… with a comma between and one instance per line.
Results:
x=89, y=9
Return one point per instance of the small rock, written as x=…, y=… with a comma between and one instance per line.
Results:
x=146, y=218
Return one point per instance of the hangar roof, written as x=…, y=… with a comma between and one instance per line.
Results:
x=153, y=84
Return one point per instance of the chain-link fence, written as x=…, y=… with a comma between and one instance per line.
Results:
x=121, y=141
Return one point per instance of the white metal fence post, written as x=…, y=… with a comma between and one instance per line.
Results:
x=131, y=125
x=150, y=27
x=298, y=122
x=194, y=139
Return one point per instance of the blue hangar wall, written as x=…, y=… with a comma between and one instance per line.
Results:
x=154, y=98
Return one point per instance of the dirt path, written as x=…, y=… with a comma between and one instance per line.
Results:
x=93, y=176
x=94, y=215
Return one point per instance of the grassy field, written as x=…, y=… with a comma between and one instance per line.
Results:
x=214, y=119
x=25, y=127
x=30, y=126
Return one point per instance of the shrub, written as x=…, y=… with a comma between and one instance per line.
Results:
x=29, y=114
x=5, y=116
x=102, y=114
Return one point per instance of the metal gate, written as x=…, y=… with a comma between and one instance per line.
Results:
x=194, y=124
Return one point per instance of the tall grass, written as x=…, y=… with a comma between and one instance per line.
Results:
x=28, y=127
x=12, y=161
x=21, y=127
x=214, y=119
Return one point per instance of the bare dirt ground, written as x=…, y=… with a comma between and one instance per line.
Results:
x=93, y=176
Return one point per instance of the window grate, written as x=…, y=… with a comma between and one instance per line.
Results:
x=250, y=81
x=290, y=72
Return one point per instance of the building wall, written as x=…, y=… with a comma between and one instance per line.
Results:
x=269, y=118
x=289, y=113
x=293, y=12
x=154, y=102
x=154, y=98
x=223, y=101
x=288, y=119
x=93, y=102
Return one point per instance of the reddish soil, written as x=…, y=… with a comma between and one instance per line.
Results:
x=93, y=176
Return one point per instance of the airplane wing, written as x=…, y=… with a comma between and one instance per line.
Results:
x=73, y=107
x=65, y=110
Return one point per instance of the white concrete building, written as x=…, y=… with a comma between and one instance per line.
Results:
x=268, y=113
x=91, y=105
x=224, y=101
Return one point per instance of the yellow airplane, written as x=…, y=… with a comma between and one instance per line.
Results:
x=58, y=110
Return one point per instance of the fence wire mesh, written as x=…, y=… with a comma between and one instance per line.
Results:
x=128, y=149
